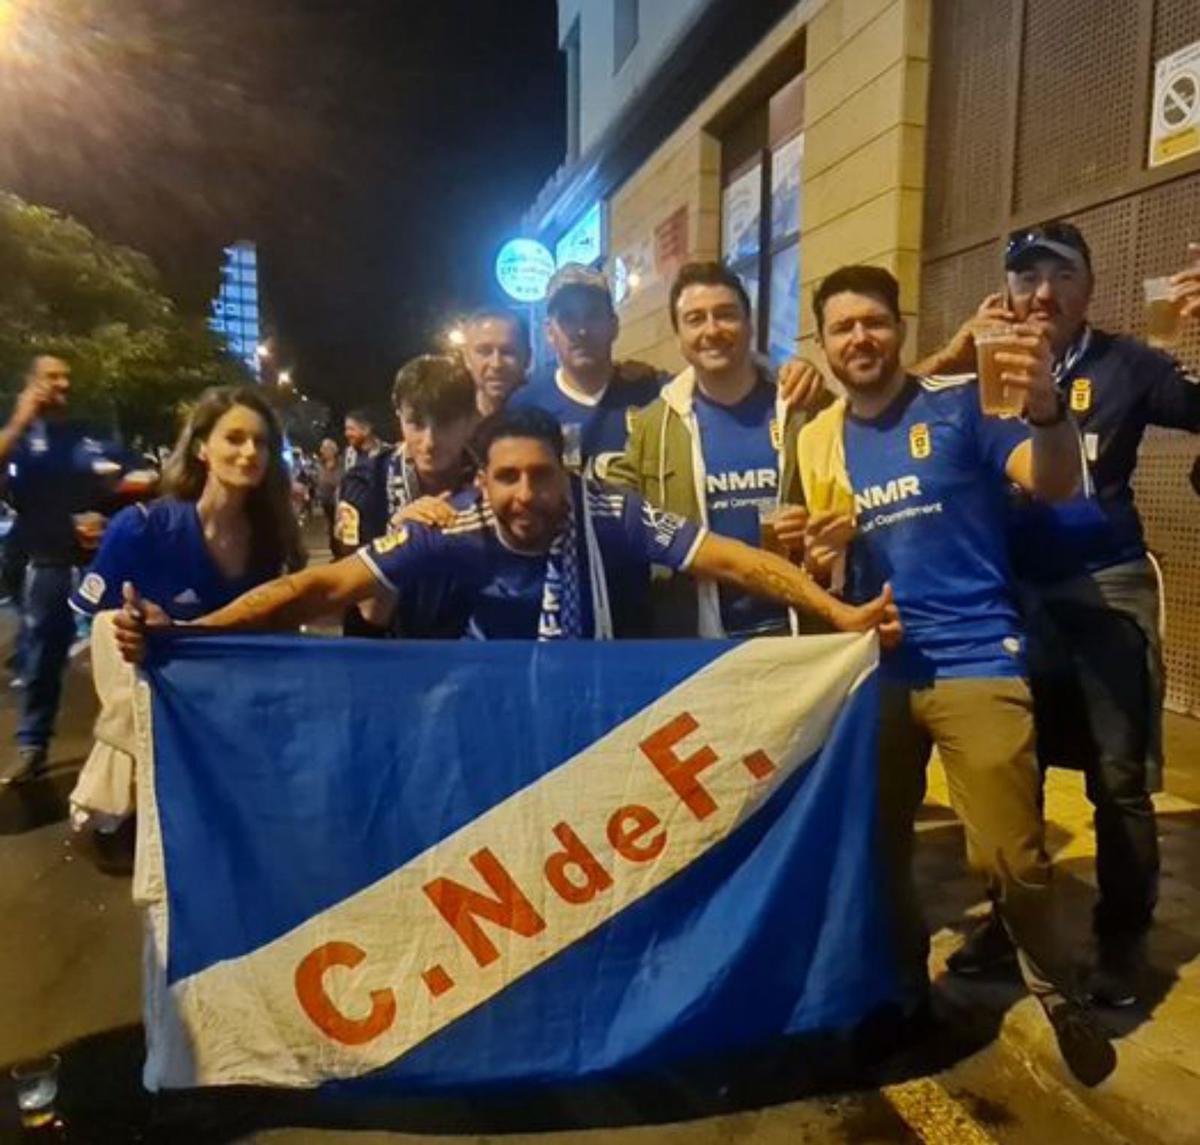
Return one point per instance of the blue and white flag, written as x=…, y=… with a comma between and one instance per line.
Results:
x=442, y=866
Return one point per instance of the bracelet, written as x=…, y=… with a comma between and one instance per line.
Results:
x=1058, y=417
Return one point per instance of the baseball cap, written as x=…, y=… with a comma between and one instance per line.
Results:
x=574, y=275
x=1059, y=239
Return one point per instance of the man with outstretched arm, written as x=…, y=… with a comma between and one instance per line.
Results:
x=535, y=552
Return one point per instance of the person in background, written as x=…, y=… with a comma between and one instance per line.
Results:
x=1090, y=592
x=224, y=525
x=536, y=552
x=436, y=413
x=589, y=394
x=717, y=448
x=361, y=440
x=327, y=476
x=922, y=474
x=61, y=479
x=496, y=352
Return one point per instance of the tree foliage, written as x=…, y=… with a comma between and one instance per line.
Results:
x=134, y=357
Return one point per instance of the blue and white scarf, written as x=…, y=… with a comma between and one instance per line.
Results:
x=562, y=615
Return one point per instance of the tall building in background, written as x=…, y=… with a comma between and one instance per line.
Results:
x=235, y=308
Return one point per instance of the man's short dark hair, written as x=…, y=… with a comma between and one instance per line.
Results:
x=435, y=389
x=502, y=314
x=525, y=421
x=706, y=274
x=859, y=279
x=363, y=417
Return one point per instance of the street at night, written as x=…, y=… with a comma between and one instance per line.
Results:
x=600, y=572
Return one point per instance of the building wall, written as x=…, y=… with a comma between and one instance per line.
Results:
x=602, y=94
x=866, y=66
x=685, y=172
x=864, y=157
x=1040, y=109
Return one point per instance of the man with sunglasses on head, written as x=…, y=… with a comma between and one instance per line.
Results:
x=1091, y=592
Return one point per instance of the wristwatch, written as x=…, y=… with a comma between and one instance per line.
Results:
x=1059, y=415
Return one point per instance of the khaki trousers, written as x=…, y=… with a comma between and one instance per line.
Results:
x=983, y=730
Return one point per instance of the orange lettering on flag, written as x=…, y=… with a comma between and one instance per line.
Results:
x=627, y=825
x=681, y=773
x=459, y=905
x=575, y=854
x=310, y=990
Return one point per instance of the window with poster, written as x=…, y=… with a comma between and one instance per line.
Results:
x=761, y=159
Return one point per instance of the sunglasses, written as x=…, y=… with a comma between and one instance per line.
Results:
x=1062, y=233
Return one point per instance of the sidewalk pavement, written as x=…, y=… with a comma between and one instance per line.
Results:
x=1154, y=1094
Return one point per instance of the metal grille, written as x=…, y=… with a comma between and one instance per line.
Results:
x=1176, y=24
x=968, y=104
x=1078, y=100
x=952, y=288
x=1169, y=511
x=1111, y=234
x=1167, y=217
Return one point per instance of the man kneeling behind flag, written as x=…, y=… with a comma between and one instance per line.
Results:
x=535, y=552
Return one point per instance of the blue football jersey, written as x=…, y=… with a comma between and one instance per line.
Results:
x=930, y=493
x=159, y=548
x=57, y=469
x=601, y=427
x=741, y=480
x=503, y=589
x=1115, y=387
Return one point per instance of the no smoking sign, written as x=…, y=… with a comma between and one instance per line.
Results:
x=1175, y=123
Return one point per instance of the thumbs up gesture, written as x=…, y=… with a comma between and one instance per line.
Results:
x=131, y=622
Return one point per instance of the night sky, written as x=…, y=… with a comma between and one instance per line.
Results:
x=377, y=150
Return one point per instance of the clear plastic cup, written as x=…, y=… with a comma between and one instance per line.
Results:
x=995, y=398
x=1162, y=312
x=36, y=1084
x=768, y=538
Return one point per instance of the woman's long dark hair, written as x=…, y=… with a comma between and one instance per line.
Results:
x=274, y=534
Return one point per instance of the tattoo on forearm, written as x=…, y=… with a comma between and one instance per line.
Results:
x=264, y=606
x=788, y=584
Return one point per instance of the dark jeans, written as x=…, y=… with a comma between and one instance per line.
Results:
x=47, y=627
x=1091, y=713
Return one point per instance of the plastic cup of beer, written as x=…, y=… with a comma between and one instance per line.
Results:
x=1162, y=312
x=995, y=398
x=768, y=538
x=36, y=1084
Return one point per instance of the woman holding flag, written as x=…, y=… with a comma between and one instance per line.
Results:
x=224, y=526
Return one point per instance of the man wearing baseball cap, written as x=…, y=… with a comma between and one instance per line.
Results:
x=1091, y=594
x=588, y=394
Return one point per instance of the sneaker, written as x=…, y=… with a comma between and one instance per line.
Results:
x=23, y=766
x=987, y=950
x=1082, y=1041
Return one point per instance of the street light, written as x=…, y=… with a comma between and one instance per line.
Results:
x=285, y=377
x=263, y=351
x=457, y=337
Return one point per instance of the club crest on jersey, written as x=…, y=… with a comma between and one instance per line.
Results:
x=92, y=588
x=391, y=541
x=1081, y=395
x=776, y=435
x=919, y=444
